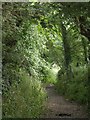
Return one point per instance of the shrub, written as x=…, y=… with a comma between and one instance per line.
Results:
x=61, y=84
x=48, y=75
x=24, y=100
x=50, y=78
x=76, y=87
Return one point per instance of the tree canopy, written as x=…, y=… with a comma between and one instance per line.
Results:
x=37, y=36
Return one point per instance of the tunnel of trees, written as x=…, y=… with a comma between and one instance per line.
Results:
x=36, y=37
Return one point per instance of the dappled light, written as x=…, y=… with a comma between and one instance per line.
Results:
x=46, y=60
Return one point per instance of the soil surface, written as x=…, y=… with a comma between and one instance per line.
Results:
x=59, y=107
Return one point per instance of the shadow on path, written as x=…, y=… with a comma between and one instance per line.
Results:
x=58, y=107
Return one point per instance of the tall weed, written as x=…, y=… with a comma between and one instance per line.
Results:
x=24, y=100
x=76, y=87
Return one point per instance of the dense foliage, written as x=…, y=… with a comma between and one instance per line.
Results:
x=36, y=38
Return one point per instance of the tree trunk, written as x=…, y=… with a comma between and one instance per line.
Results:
x=84, y=44
x=86, y=32
x=67, y=54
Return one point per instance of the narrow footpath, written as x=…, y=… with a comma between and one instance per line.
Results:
x=58, y=107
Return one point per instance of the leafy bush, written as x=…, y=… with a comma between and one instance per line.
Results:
x=24, y=100
x=48, y=75
x=61, y=84
x=76, y=88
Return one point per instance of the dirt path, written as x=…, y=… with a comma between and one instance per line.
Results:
x=58, y=107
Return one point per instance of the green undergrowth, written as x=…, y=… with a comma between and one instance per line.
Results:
x=48, y=76
x=25, y=99
x=75, y=88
